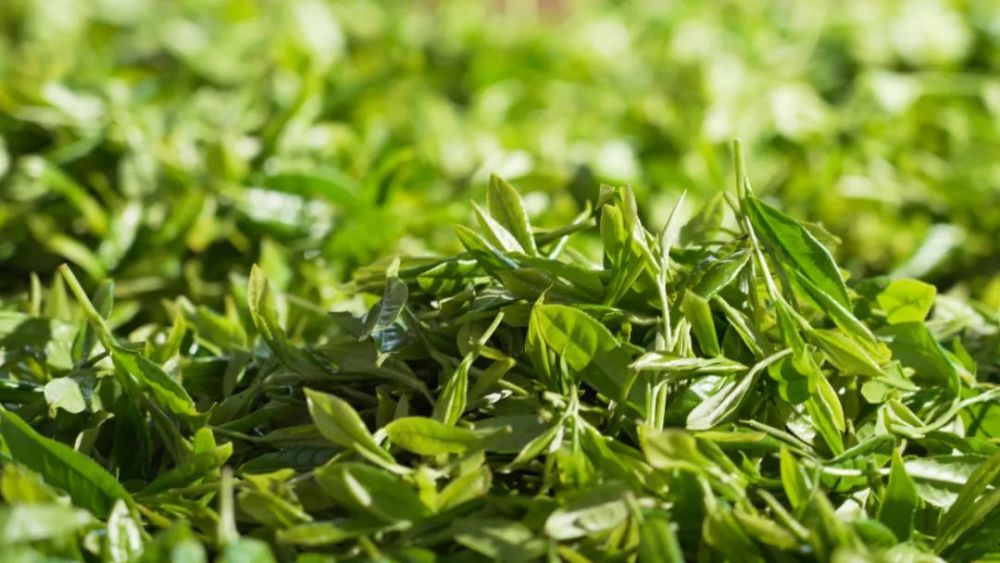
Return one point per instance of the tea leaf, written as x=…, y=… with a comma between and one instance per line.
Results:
x=337, y=420
x=900, y=502
x=426, y=436
x=87, y=483
x=507, y=208
x=907, y=300
x=791, y=239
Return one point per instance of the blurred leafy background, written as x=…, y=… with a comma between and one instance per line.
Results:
x=171, y=144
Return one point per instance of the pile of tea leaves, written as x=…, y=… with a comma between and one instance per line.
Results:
x=591, y=392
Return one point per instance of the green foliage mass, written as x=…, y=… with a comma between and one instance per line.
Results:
x=713, y=389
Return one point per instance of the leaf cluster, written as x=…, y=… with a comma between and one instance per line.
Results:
x=717, y=389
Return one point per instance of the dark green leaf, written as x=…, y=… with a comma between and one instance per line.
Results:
x=790, y=239
x=89, y=485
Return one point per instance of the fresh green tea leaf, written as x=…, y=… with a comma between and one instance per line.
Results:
x=337, y=420
x=507, y=208
x=87, y=483
x=372, y=491
x=789, y=238
x=907, y=300
x=426, y=436
x=900, y=502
